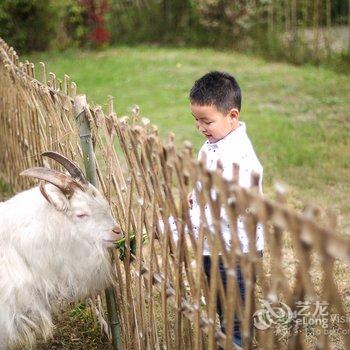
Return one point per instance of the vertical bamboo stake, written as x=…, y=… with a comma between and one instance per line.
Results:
x=80, y=104
x=316, y=24
x=349, y=23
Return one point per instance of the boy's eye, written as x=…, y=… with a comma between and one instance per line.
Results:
x=207, y=123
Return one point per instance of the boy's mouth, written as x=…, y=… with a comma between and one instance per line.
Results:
x=210, y=138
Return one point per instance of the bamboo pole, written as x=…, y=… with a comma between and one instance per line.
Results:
x=80, y=105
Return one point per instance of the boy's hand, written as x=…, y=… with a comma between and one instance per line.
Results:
x=190, y=200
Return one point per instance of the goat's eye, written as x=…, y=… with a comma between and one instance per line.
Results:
x=81, y=216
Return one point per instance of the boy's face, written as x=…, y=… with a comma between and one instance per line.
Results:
x=212, y=123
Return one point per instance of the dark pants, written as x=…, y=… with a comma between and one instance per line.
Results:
x=237, y=338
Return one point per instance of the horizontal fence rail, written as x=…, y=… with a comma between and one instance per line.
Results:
x=164, y=299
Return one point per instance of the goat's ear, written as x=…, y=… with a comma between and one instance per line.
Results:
x=54, y=196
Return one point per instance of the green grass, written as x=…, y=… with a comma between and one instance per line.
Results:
x=297, y=117
x=4, y=190
x=75, y=329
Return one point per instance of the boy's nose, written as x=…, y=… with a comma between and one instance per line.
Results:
x=201, y=128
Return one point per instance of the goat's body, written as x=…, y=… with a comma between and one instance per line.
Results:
x=58, y=264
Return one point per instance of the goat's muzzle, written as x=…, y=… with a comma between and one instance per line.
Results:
x=117, y=232
x=114, y=235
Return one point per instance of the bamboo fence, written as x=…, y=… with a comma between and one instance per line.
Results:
x=163, y=298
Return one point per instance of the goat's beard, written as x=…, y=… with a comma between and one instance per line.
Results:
x=28, y=295
x=88, y=268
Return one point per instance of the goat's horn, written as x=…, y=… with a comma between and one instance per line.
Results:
x=72, y=168
x=64, y=182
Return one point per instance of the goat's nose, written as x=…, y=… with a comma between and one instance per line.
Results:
x=117, y=231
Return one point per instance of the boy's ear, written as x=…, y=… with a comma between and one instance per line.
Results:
x=233, y=114
x=54, y=196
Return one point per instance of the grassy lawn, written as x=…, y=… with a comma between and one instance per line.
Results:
x=297, y=117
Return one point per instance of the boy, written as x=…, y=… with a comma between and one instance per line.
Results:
x=215, y=104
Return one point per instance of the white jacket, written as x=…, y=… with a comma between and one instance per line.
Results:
x=236, y=148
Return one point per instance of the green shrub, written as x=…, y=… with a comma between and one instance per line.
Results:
x=28, y=25
x=72, y=30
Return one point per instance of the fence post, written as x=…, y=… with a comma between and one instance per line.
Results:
x=82, y=121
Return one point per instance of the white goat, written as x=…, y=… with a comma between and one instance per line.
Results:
x=53, y=241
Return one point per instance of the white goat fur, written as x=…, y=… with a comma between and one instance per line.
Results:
x=49, y=253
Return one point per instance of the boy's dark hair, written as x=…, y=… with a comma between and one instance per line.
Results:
x=219, y=89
